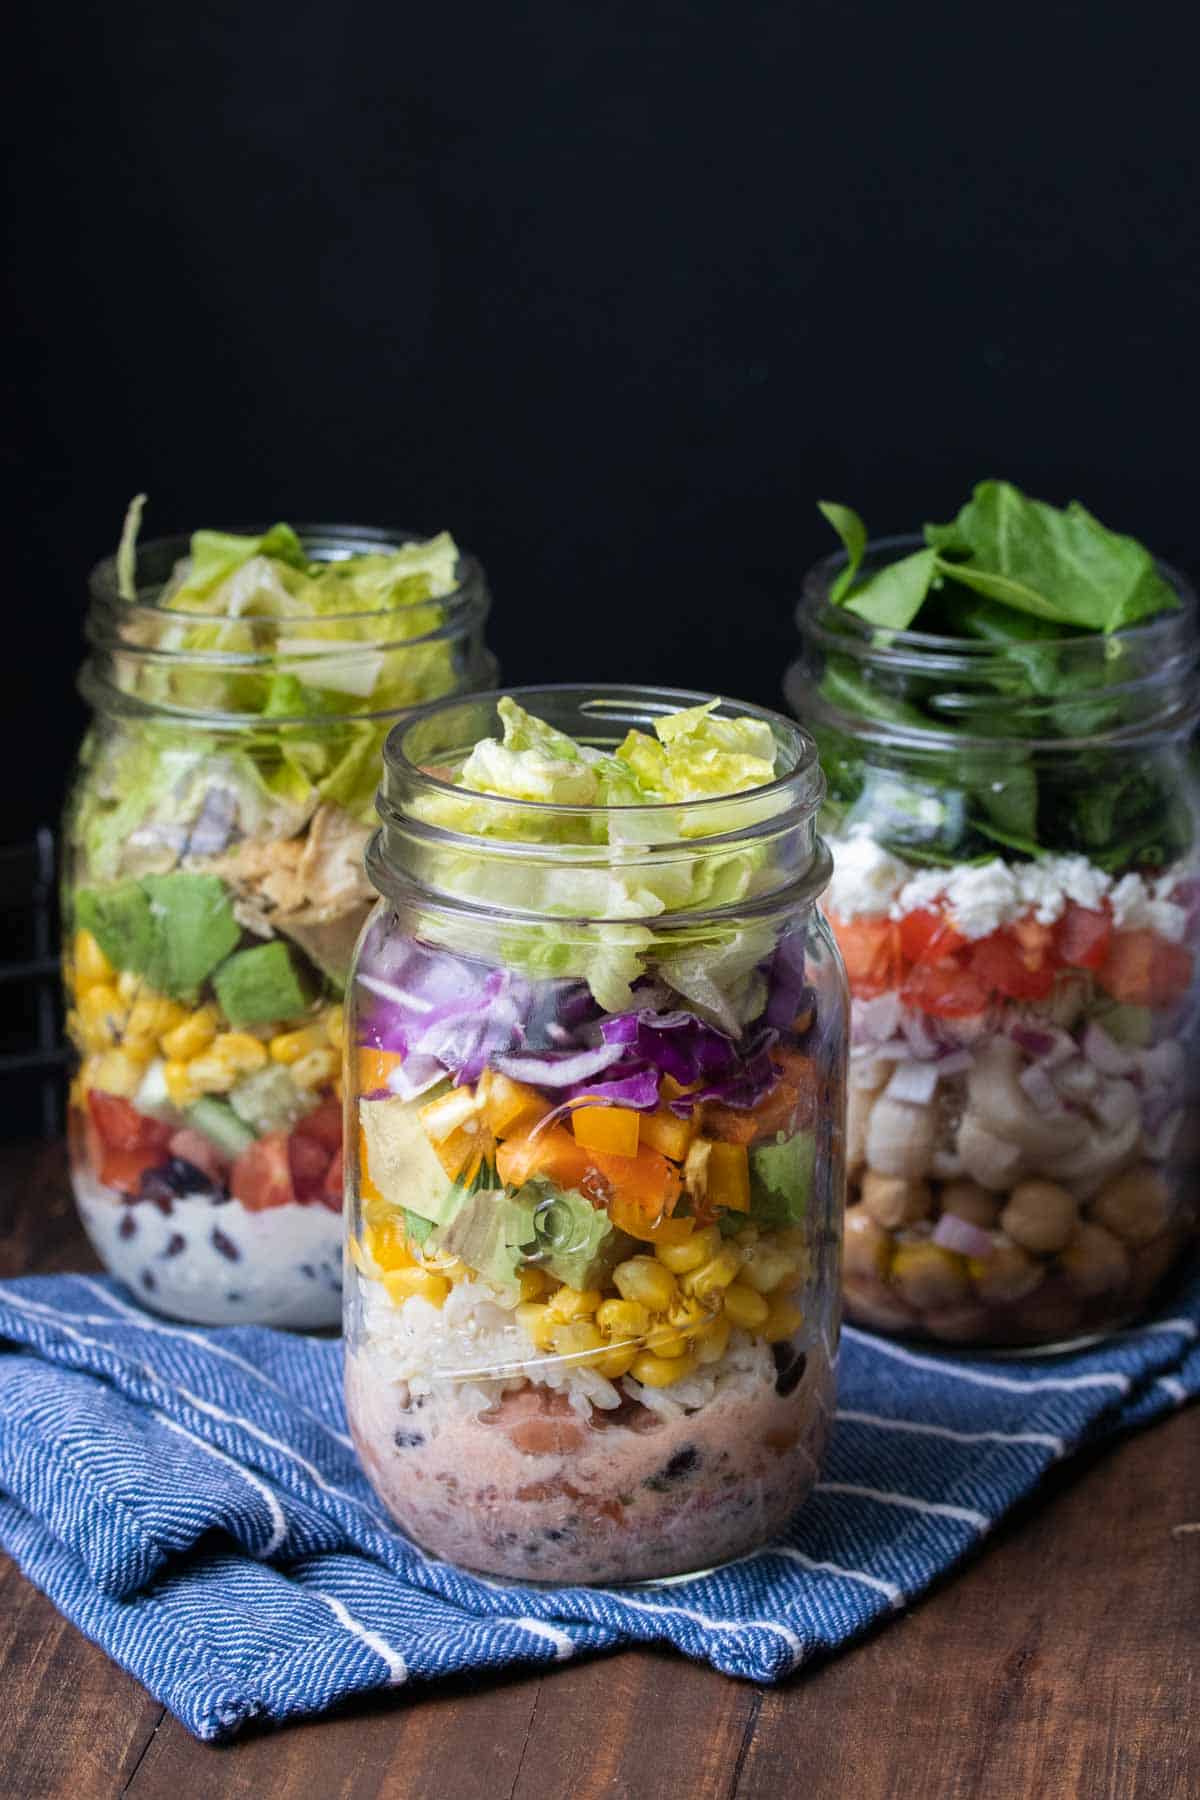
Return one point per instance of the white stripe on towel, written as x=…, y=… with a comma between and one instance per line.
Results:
x=397, y=1667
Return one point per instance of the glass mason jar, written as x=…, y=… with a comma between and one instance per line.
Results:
x=1016, y=895
x=213, y=891
x=592, y=1325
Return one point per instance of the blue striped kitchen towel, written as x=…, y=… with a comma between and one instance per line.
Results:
x=191, y=1501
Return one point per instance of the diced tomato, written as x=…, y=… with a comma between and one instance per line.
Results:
x=1143, y=969
x=927, y=936
x=262, y=1176
x=946, y=989
x=1002, y=967
x=123, y=1127
x=331, y=1192
x=193, y=1147
x=323, y=1124
x=1082, y=936
x=870, y=948
x=308, y=1163
x=123, y=1169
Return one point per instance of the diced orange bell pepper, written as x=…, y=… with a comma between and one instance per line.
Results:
x=628, y=1217
x=374, y=1067
x=461, y=1153
x=612, y=1128
x=729, y=1177
x=647, y=1181
x=663, y=1132
x=553, y=1153
x=511, y=1108
x=388, y=1243
x=670, y=1089
x=366, y=1187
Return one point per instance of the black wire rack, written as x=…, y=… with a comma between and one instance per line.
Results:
x=33, y=1053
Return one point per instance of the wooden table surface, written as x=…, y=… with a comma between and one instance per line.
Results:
x=1061, y=1663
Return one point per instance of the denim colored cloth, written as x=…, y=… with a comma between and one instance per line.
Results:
x=191, y=1501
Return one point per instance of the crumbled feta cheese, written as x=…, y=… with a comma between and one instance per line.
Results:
x=1137, y=907
x=865, y=878
x=979, y=900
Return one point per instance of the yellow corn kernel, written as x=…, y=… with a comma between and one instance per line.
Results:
x=533, y=1283
x=576, y=1338
x=615, y=1362
x=746, y=1238
x=209, y=1074
x=642, y=1278
x=697, y=1249
x=717, y=1273
x=290, y=1046
x=538, y=1322
x=794, y=1239
x=335, y=1026
x=101, y=1015
x=192, y=1035
x=744, y=1308
x=783, y=1320
x=316, y=1069
x=130, y=985
x=765, y=1269
x=714, y=1341
x=388, y=1244
x=153, y=1014
x=622, y=1318
x=91, y=964
x=664, y=1340
x=244, y=1052
x=116, y=1072
x=661, y=1371
x=354, y=1251
x=179, y=1084
x=416, y=1284
x=575, y=1303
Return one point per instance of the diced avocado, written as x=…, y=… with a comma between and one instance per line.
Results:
x=120, y=920
x=781, y=1179
x=194, y=929
x=402, y=1162
x=260, y=985
x=269, y=1100
x=1132, y=1025
x=492, y=1232
x=575, y=1241
x=173, y=929
x=217, y=1121
x=417, y=1228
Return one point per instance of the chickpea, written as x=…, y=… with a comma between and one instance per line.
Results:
x=967, y=1200
x=1040, y=1216
x=1048, y=1313
x=1095, y=1261
x=871, y=1303
x=957, y=1324
x=1137, y=1205
x=1150, y=1263
x=928, y=1277
x=893, y=1201
x=1008, y=1274
x=868, y=1247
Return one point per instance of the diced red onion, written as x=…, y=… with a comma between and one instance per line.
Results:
x=961, y=1236
x=874, y=1021
x=1047, y=1044
x=954, y=1062
x=1157, y=1108
x=919, y=1033
x=1105, y=1053
x=1163, y=1064
x=1115, y=1103
x=1036, y=1081
x=1076, y=1080
x=915, y=1082
x=1159, y=1143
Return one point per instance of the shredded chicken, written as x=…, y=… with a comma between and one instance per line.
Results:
x=309, y=880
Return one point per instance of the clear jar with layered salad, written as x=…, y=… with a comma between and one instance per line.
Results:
x=1007, y=709
x=242, y=687
x=595, y=1180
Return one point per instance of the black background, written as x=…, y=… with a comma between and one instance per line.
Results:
x=612, y=290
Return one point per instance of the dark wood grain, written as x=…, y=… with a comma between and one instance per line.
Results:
x=1061, y=1663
